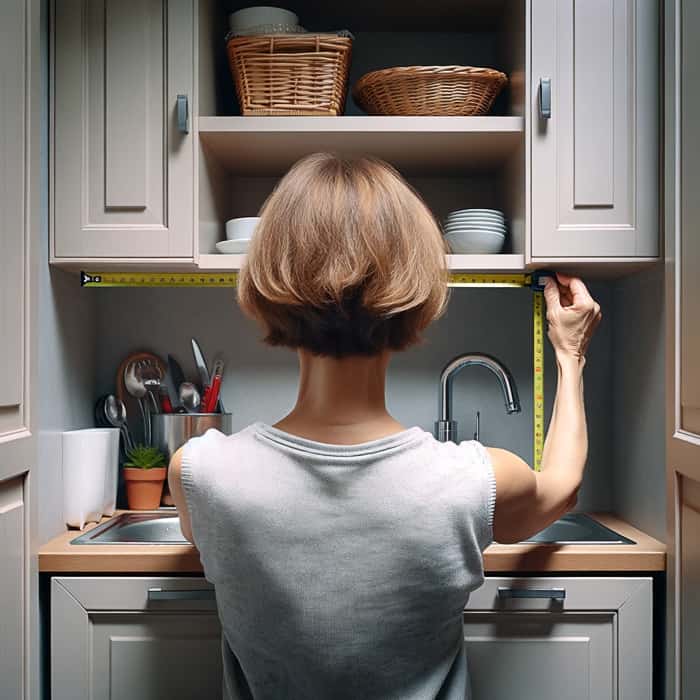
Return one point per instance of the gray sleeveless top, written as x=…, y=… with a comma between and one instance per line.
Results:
x=341, y=571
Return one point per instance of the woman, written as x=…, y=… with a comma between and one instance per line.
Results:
x=343, y=546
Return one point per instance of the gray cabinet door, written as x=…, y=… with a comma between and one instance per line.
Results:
x=20, y=106
x=683, y=346
x=552, y=638
x=134, y=639
x=594, y=161
x=123, y=172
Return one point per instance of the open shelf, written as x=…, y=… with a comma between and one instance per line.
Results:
x=504, y=262
x=264, y=146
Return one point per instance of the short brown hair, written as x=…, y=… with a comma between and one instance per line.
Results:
x=346, y=260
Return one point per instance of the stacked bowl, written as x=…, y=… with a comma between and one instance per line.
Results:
x=239, y=233
x=475, y=231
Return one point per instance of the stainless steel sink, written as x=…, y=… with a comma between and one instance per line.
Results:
x=164, y=528
x=136, y=528
x=578, y=528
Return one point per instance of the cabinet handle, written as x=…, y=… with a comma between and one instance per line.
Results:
x=547, y=593
x=185, y=594
x=545, y=98
x=183, y=114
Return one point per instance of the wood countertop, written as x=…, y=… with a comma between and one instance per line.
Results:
x=648, y=554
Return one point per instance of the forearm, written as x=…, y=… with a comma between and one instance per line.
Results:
x=566, y=445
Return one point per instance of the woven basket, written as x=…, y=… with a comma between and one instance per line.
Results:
x=300, y=74
x=429, y=90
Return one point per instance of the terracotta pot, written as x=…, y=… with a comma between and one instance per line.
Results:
x=144, y=487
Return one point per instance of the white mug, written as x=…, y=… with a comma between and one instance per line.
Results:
x=90, y=470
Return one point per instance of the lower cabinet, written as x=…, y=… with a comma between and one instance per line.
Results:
x=134, y=639
x=553, y=638
x=141, y=638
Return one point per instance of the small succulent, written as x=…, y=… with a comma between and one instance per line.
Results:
x=144, y=457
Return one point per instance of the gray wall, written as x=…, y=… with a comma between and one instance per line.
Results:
x=66, y=350
x=639, y=488
x=260, y=382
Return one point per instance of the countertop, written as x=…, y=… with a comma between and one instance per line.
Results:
x=648, y=554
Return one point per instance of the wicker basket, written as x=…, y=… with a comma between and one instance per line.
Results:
x=299, y=74
x=429, y=90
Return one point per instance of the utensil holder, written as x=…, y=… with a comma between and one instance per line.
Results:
x=172, y=430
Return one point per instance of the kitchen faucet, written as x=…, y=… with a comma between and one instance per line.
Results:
x=445, y=427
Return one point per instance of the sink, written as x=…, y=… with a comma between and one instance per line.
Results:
x=136, y=528
x=578, y=528
x=164, y=528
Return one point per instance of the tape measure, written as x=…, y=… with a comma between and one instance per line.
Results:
x=456, y=279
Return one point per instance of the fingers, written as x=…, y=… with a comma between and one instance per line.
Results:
x=551, y=295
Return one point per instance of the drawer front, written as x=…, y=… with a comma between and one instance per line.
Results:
x=503, y=593
x=140, y=594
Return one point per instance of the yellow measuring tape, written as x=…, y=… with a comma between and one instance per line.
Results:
x=457, y=279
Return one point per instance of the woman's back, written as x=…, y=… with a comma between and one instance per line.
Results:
x=340, y=570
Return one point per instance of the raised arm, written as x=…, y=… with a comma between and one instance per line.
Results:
x=528, y=501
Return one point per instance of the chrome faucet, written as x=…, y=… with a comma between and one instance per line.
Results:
x=445, y=427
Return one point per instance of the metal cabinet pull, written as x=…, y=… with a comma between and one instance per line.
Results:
x=185, y=594
x=545, y=98
x=546, y=593
x=183, y=114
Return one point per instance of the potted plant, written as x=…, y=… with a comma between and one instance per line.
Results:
x=144, y=474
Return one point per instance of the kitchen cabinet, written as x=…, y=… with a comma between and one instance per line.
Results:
x=122, y=153
x=595, y=129
x=140, y=637
x=595, y=643
x=132, y=190
x=134, y=639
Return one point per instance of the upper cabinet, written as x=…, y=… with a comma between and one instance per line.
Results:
x=123, y=153
x=595, y=129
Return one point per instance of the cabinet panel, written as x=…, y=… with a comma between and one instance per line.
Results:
x=155, y=657
x=595, y=160
x=547, y=656
x=123, y=174
x=12, y=598
x=12, y=212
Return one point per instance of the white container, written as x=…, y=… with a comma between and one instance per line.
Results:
x=242, y=228
x=90, y=461
x=475, y=242
x=253, y=16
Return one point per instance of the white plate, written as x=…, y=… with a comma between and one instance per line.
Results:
x=237, y=246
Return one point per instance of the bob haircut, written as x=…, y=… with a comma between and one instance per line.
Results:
x=346, y=260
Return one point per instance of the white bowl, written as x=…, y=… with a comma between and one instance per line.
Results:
x=467, y=229
x=253, y=16
x=475, y=242
x=233, y=247
x=475, y=215
x=479, y=218
x=497, y=212
x=243, y=227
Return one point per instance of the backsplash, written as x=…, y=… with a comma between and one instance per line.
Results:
x=260, y=382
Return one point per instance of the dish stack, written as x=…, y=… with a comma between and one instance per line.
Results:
x=475, y=231
x=239, y=233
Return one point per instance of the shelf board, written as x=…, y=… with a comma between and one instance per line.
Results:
x=504, y=262
x=265, y=146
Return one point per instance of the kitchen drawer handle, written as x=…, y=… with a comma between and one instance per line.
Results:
x=547, y=593
x=545, y=98
x=183, y=114
x=155, y=594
